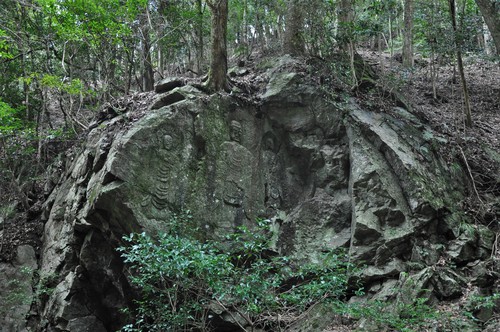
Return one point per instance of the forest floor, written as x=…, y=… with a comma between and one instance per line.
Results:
x=477, y=148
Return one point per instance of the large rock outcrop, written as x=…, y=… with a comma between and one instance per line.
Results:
x=327, y=172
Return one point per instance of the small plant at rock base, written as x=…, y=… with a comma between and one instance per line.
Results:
x=7, y=211
x=188, y=284
x=400, y=316
x=485, y=302
x=46, y=286
x=476, y=303
x=17, y=292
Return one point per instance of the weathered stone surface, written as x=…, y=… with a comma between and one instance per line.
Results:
x=174, y=96
x=471, y=245
x=168, y=84
x=447, y=284
x=328, y=176
x=237, y=71
x=318, y=224
x=86, y=324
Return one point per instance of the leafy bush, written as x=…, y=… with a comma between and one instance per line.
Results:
x=188, y=284
x=401, y=316
x=9, y=120
x=4, y=46
x=16, y=292
x=478, y=303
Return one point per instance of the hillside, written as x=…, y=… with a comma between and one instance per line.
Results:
x=384, y=171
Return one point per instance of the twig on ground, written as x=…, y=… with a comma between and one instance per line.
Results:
x=470, y=174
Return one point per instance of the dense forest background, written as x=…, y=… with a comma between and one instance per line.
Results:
x=62, y=60
x=69, y=65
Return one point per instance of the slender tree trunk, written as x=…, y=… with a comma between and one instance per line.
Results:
x=23, y=47
x=486, y=40
x=491, y=14
x=345, y=15
x=408, y=34
x=345, y=37
x=129, y=65
x=147, y=60
x=245, y=24
x=199, y=36
x=458, y=44
x=294, y=39
x=261, y=40
x=433, y=73
x=391, y=39
x=280, y=28
x=217, y=79
x=148, y=73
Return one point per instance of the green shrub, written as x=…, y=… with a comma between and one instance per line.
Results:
x=185, y=282
x=478, y=303
x=401, y=316
x=16, y=292
x=9, y=120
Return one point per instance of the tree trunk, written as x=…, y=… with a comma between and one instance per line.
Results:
x=245, y=24
x=345, y=34
x=148, y=78
x=148, y=74
x=491, y=14
x=458, y=44
x=199, y=36
x=218, y=66
x=391, y=39
x=486, y=40
x=294, y=39
x=345, y=15
x=408, y=34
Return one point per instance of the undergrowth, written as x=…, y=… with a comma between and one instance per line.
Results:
x=191, y=285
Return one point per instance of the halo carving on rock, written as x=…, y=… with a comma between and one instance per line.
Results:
x=235, y=131
x=168, y=142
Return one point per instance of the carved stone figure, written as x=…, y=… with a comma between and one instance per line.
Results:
x=168, y=142
x=235, y=131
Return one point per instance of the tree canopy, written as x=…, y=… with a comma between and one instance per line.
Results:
x=63, y=59
x=116, y=46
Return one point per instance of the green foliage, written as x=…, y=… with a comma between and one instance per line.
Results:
x=5, y=52
x=9, y=119
x=477, y=302
x=17, y=149
x=375, y=15
x=433, y=27
x=90, y=20
x=17, y=291
x=408, y=311
x=46, y=286
x=400, y=316
x=71, y=87
x=7, y=211
x=184, y=280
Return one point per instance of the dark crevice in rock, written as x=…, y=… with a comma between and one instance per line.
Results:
x=286, y=238
x=167, y=99
x=169, y=84
x=200, y=148
x=110, y=177
x=443, y=228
